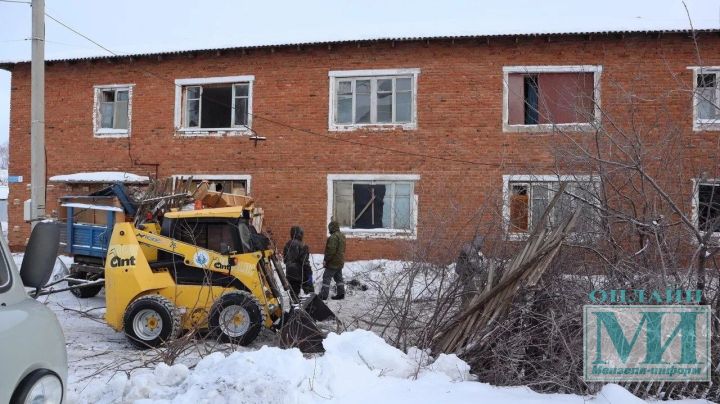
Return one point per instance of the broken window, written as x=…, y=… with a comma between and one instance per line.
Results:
x=113, y=106
x=373, y=100
x=551, y=98
x=528, y=201
x=216, y=106
x=374, y=204
x=238, y=187
x=709, y=207
x=707, y=96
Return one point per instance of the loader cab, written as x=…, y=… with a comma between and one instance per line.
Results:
x=228, y=236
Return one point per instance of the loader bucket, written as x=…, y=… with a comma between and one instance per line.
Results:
x=316, y=308
x=299, y=331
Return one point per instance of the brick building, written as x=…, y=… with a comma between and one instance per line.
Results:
x=385, y=135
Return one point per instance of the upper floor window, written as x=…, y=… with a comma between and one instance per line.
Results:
x=373, y=98
x=544, y=98
x=527, y=197
x=213, y=105
x=707, y=95
x=113, y=104
x=373, y=205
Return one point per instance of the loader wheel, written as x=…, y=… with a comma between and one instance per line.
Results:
x=236, y=318
x=86, y=292
x=150, y=321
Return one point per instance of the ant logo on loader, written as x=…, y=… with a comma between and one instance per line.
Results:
x=121, y=262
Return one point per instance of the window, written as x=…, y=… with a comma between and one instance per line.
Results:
x=540, y=98
x=219, y=104
x=373, y=98
x=112, y=110
x=220, y=236
x=528, y=197
x=230, y=184
x=707, y=94
x=373, y=204
x=707, y=204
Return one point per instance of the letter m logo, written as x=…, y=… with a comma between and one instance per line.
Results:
x=635, y=343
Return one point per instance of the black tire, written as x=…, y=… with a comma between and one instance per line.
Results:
x=23, y=389
x=85, y=292
x=150, y=321
x=236, y=303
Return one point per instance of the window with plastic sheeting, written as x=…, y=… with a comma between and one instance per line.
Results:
x=374, y=204
x=112, y=110
x=528, y=201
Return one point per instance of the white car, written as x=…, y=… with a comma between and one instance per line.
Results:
x=33, y=358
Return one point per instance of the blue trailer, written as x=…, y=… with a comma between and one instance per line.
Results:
x=89, y=222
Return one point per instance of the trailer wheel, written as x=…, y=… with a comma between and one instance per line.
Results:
x=85, y=292
x=150, y=321
x=236, y=317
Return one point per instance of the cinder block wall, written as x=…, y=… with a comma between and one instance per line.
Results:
x=459, y=109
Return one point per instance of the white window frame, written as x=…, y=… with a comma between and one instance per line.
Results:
x=374, y=233
x=695, y=216
x=337, y=75
x=100, y=132
x=514, y=178
x=702, y=125
x=182, y=84
x=216, y=177
x=550, y=127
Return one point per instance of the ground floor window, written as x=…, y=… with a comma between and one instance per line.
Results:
x=528, y=197
x=379, y=204
x=226, y=183
x=707, y=204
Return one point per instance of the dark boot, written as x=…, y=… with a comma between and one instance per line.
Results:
x=338, y=297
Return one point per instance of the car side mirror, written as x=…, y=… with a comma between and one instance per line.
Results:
x=40, y=255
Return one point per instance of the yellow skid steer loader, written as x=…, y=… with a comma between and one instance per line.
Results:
x=201, y=269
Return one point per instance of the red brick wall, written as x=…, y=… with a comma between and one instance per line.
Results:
x=459, y=109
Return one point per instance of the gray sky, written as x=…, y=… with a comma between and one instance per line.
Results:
x=140, y=26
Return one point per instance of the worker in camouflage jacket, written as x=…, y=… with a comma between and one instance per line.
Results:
x=296, y=256
x=333, y=262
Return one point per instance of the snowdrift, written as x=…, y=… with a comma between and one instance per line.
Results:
x=358, y=367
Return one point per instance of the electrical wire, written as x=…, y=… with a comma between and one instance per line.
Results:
x=288, y=126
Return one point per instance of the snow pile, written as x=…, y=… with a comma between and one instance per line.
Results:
x=358, y=367
x=101, y=177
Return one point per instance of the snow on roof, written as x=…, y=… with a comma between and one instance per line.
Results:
x=101, y=177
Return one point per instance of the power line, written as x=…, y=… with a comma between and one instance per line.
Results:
x=306, y=131
x=15, y=1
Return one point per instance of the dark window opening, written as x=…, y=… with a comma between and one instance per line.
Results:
x=368, y=201
x=531, y=100
x=709, y=207
x=216, y=106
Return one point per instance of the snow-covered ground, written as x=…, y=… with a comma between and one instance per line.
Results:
x=357, y=367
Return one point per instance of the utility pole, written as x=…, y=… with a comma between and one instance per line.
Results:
x=37, y=113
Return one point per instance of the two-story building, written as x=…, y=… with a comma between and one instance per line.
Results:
x=392, y=137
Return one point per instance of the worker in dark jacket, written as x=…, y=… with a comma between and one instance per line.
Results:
x=333, y=262
x=296, y=256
